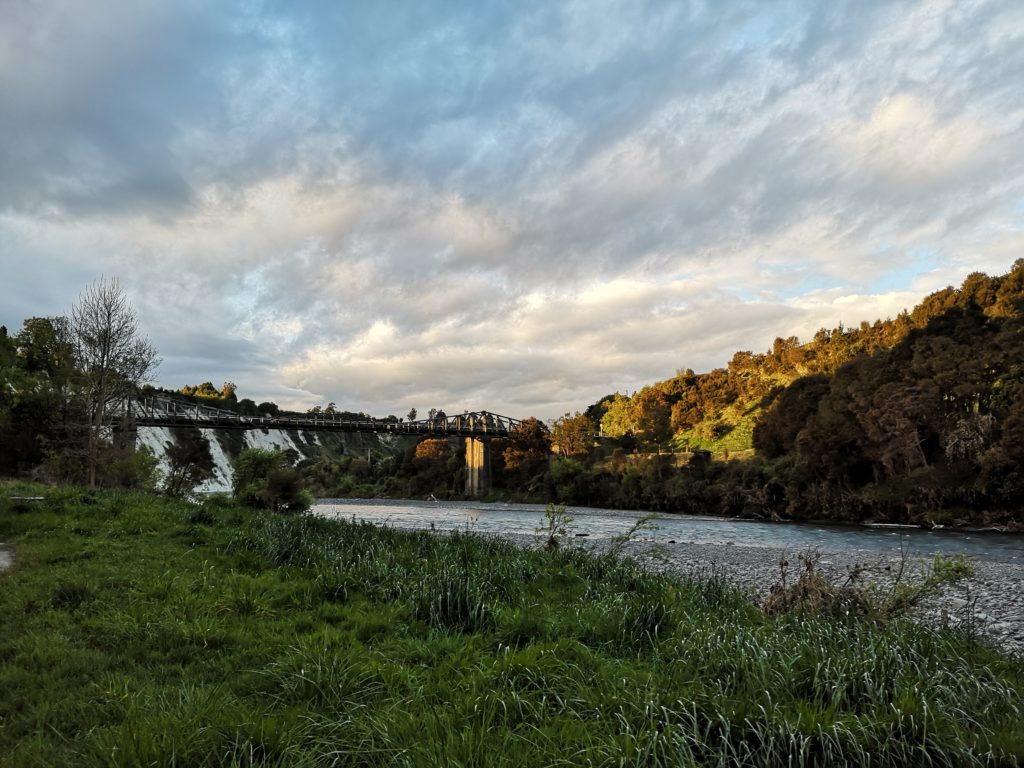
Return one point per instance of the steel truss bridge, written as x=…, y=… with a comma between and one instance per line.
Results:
x=477, y=429
x=167, y=412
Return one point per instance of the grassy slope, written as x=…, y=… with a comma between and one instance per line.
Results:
x=736, y=422
x=141, y=631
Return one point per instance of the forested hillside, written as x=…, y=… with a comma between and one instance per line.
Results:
x=920, y=417
x=718, y=410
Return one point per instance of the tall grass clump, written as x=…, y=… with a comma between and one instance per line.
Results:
x=135, y=630
x=454, y=598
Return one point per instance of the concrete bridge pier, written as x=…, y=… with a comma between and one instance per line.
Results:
x=478, y=465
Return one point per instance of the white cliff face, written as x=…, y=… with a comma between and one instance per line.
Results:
x=157, y=440
x=220, y=481
x=273, y=438
x=225, y=446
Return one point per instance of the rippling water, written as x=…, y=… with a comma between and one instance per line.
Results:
x=605, y=523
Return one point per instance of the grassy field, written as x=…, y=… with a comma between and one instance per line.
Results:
x=141, y=631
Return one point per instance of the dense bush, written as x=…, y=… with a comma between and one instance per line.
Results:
x=264, y=479
x=189, y=462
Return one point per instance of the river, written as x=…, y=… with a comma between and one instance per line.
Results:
x=597, y=524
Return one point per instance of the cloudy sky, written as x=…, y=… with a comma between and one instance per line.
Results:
x=516, y=206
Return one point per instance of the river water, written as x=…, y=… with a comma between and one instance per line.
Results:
x=597, y=524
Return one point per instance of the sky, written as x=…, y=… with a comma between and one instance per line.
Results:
x=518, y=207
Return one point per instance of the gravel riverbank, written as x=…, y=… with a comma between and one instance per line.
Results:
x=992, y=600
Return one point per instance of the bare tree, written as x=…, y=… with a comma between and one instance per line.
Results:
x=113, y=357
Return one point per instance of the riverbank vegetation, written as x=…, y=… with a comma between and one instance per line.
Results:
x=141, y=630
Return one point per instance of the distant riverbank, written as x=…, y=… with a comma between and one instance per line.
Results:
x=602, y=524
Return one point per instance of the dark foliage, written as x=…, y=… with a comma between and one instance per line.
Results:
x=264, y=479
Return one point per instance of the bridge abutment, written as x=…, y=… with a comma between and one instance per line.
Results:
x=478, y=465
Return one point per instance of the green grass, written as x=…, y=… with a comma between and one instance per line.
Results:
x=729, y=431
x=141, y=631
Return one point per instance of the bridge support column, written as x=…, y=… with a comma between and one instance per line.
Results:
x=478, y=465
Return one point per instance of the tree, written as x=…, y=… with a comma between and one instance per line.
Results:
x=652, y=417
x=528, y=449
x=619, y=416
x=776, y=431
x=189, y=463
x=268, y=409
x=206, y=390
x=247, y=407
x=44, y=344
x=36, y=379
x=113, y=358
x=646, y=415
x=412, y=414
x=574, y=435
x=431, y=470
x=432, y=449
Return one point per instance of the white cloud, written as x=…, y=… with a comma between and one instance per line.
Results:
x=904, y=142
x=518, y=210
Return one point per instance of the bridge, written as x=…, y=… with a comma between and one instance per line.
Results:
x=477, y=428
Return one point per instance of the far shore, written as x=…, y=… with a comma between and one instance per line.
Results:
x=1009, y=530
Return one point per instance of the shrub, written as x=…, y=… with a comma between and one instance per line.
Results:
x=124, y=466
x=814, y=594
x=555, y=526
x=263, y=479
